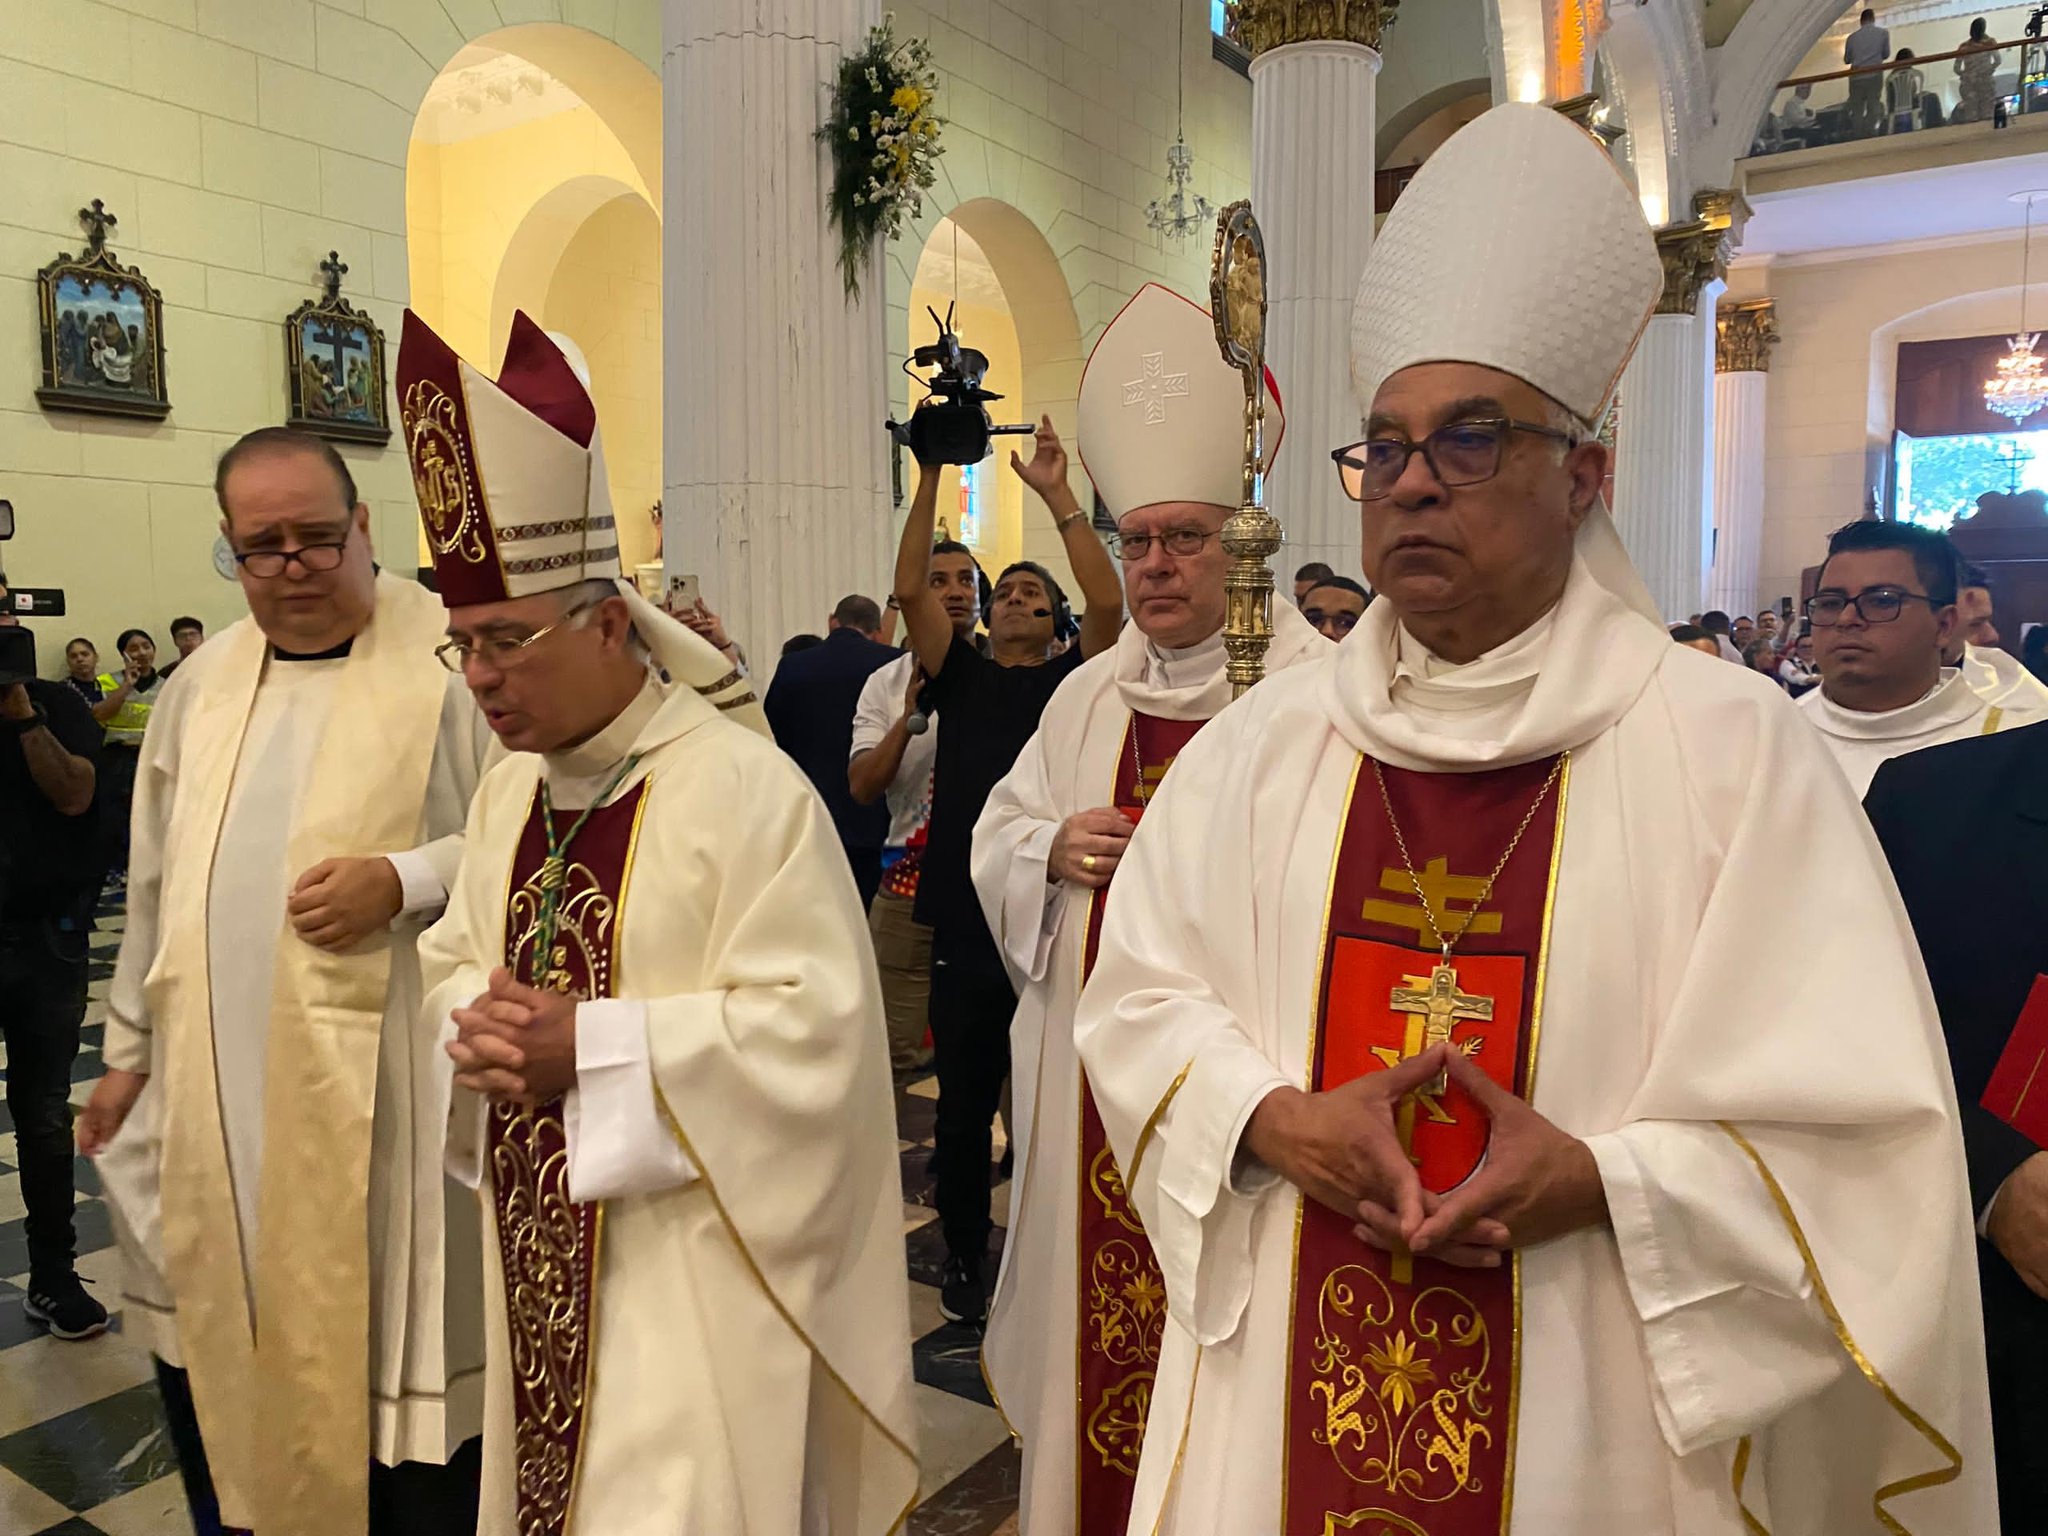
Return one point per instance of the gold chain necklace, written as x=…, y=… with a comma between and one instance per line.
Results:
x=1486, y=892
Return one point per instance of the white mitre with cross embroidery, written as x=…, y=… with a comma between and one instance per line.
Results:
x=1518, y=247
x=1162, y=415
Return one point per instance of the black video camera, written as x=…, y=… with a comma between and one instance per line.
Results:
x=2034, y=21
x=18, y=643
x=952, y=424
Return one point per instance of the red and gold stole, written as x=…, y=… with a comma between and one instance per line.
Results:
x=1122, y=1314
x=1403, y=1373
x=547, y=1243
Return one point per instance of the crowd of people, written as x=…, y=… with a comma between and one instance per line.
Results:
x=1890, y=92
x=497, y=1110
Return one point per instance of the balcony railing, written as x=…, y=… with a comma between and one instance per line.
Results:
x=1970, y=85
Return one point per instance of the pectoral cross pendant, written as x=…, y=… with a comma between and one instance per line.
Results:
x=1435, y=1007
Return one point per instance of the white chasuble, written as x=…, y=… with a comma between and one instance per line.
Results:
x=1080, y=1447
x=1997, y=677
x=741, y=1362
x=1780, y=1329
x=279, y=1184
x=1861, y=742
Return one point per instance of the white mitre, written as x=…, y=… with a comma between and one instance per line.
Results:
x=1518, y=247
x=1162, y=415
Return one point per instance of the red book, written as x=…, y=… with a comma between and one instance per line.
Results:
x=2018, y=1090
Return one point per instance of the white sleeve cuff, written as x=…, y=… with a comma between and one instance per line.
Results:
x=618, y=1142
x=464, y=1113
x=421, y=890
x=1984, y=1216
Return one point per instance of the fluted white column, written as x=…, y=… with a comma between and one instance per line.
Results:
x=1312, y=188
x=775, y=460
x=1662, y=471
x=1739, y=400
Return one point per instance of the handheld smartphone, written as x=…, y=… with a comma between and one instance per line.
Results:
x=17, y=654
x=682, y=592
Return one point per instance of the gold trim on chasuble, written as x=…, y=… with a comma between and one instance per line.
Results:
x=1120, y=1299
x=548, y=1244
x=1939, y=1442
x=1398, y=1378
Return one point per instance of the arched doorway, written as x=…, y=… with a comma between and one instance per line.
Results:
x=533, y=182
x=1013, y=303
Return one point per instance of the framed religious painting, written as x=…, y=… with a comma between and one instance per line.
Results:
x=334, y=361
x=102, y=331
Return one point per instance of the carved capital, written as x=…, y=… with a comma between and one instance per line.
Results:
x=1694, y=254
x=1257, y=25
x=1590, y=113
x=1745, y=334
x=1725, y=209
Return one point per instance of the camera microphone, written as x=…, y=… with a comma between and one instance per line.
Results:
x=1041, y=613
x=919, y=720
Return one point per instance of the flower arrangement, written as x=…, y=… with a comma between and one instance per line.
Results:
x=884, y=137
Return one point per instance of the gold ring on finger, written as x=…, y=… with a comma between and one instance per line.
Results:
x=1088, y=862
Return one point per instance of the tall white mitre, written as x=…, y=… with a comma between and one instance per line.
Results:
x=1563, y=312
x=1162, y=415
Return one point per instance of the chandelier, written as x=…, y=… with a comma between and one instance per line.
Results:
x=1180, y=213
x=2020, y=387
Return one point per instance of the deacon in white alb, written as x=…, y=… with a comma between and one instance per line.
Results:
x=1883, y=615
x=294, y=1259
x=1079, y=1287
x=1510, y=1167
x=673, y=1088
x=1994, y=674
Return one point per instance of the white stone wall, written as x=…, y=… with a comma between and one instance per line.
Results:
x=238, y=141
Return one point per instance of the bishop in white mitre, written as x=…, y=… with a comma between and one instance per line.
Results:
x=1080, y=1308
x=1509, y=1169
x=293, y=1255
x=659, y=998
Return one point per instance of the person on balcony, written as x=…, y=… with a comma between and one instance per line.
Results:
x=1867, y=46
x=1902, y=89
x=1978, y=71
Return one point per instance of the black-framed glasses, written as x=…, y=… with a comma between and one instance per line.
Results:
x=1874, y=605
x=503, y=652
x=1133, y=547
x=312, y=558
x=1459, y=454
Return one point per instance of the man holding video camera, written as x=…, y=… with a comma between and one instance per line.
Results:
x=49, y=875
x=991, y=706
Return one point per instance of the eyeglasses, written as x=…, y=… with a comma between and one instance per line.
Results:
x=1133, y=547
x=1878, y=605
x=1342, y=621
x=312, y=558
x=502, y=652
x=1460, y=454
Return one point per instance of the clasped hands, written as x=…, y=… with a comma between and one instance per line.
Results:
x=515, y=1042
x=1342, y=1150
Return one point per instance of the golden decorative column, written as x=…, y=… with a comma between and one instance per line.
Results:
x=1695, y=253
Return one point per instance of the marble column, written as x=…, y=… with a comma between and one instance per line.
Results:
x=1746, y=333
x=1663, y=470
x=775, y=461
x=1314, y=101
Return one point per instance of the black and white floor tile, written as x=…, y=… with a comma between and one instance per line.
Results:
x=83, y=1450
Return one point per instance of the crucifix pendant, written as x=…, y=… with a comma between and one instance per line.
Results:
x=1435, y=1006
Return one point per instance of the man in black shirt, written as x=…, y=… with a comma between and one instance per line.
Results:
x=810, y=709
x=991, y=706
x=49, y=875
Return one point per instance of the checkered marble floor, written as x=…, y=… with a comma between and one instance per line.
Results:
x=83, y=1450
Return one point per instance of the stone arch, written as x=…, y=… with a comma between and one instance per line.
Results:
x=1445, y=101
x=530, y=139
x=1048, y=332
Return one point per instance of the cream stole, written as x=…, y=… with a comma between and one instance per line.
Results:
x=287, y=1419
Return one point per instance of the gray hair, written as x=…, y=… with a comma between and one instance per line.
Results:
x=588, y=594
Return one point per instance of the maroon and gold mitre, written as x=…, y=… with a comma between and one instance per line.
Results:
x=509, y=474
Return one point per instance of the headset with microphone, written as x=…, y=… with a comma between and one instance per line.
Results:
x=1064, y=625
